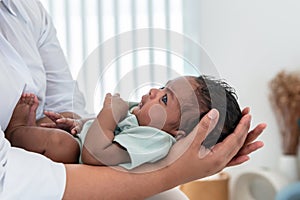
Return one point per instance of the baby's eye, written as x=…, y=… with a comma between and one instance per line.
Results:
x=165, y=99
x=161, y=88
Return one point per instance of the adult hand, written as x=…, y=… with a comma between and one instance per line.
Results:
x=198, y=162
x=236, y=147
x=250, y=145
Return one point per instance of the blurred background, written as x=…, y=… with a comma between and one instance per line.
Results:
x=248, y=42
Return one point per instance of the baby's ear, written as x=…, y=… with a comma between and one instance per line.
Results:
x=179, y=134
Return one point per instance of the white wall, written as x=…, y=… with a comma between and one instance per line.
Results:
x=249, y=42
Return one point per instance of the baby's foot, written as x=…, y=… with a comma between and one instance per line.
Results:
x=32, y=101
x=25, y=112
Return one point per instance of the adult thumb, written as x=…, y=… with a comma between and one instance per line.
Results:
x=205, y=126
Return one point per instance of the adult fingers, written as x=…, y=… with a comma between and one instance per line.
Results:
x=233, y=143
x=243, y=155
x=245, y=111
x=257, y=131
x=238, y=160
x=249, y=145
x=246, y=150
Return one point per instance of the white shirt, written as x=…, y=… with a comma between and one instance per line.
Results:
x=23, y=174
x=30, y=59
x=32, y=41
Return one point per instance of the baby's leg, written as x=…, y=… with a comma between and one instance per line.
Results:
x=24, y=112
x=56, y=144
x=22, y=132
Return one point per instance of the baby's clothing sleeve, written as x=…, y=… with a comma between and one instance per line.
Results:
x=144, y=145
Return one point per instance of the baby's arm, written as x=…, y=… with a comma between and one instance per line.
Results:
x=71, y=125
x=99, y=148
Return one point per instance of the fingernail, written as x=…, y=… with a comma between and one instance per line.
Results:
x=213, y=113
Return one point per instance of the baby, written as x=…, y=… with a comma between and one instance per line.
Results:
x=146, y=133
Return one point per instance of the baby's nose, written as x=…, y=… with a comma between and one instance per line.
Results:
x=153, y=92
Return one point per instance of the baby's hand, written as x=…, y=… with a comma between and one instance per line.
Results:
x=118, y=106
x=73, y=126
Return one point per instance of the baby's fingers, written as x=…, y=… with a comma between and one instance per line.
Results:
x=75, y=130
x=66, y=121
x=107, y=100
x=53, y=115
x=48, y=125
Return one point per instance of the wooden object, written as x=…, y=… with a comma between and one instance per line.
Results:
x=216, y=188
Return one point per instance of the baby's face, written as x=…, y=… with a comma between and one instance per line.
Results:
x=185, y=89
x=160, y=109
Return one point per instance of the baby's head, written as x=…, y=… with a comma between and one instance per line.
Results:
x=178, y=107
x=208, y=93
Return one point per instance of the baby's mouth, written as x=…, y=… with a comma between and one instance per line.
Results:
x=140, y=105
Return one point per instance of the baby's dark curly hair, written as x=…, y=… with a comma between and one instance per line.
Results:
x=214, y=93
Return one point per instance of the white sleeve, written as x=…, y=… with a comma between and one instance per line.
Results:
x=29, y=175
x=4, y=148
x=23, y=174
x=11, y=86
x=62, y=93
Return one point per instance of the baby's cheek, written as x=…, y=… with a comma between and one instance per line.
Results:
x=158, y=116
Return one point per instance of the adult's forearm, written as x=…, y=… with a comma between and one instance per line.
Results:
x=95, y=182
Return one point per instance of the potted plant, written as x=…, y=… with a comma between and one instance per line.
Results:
x=285, y=101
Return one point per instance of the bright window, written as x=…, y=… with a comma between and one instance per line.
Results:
x=84, y=25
